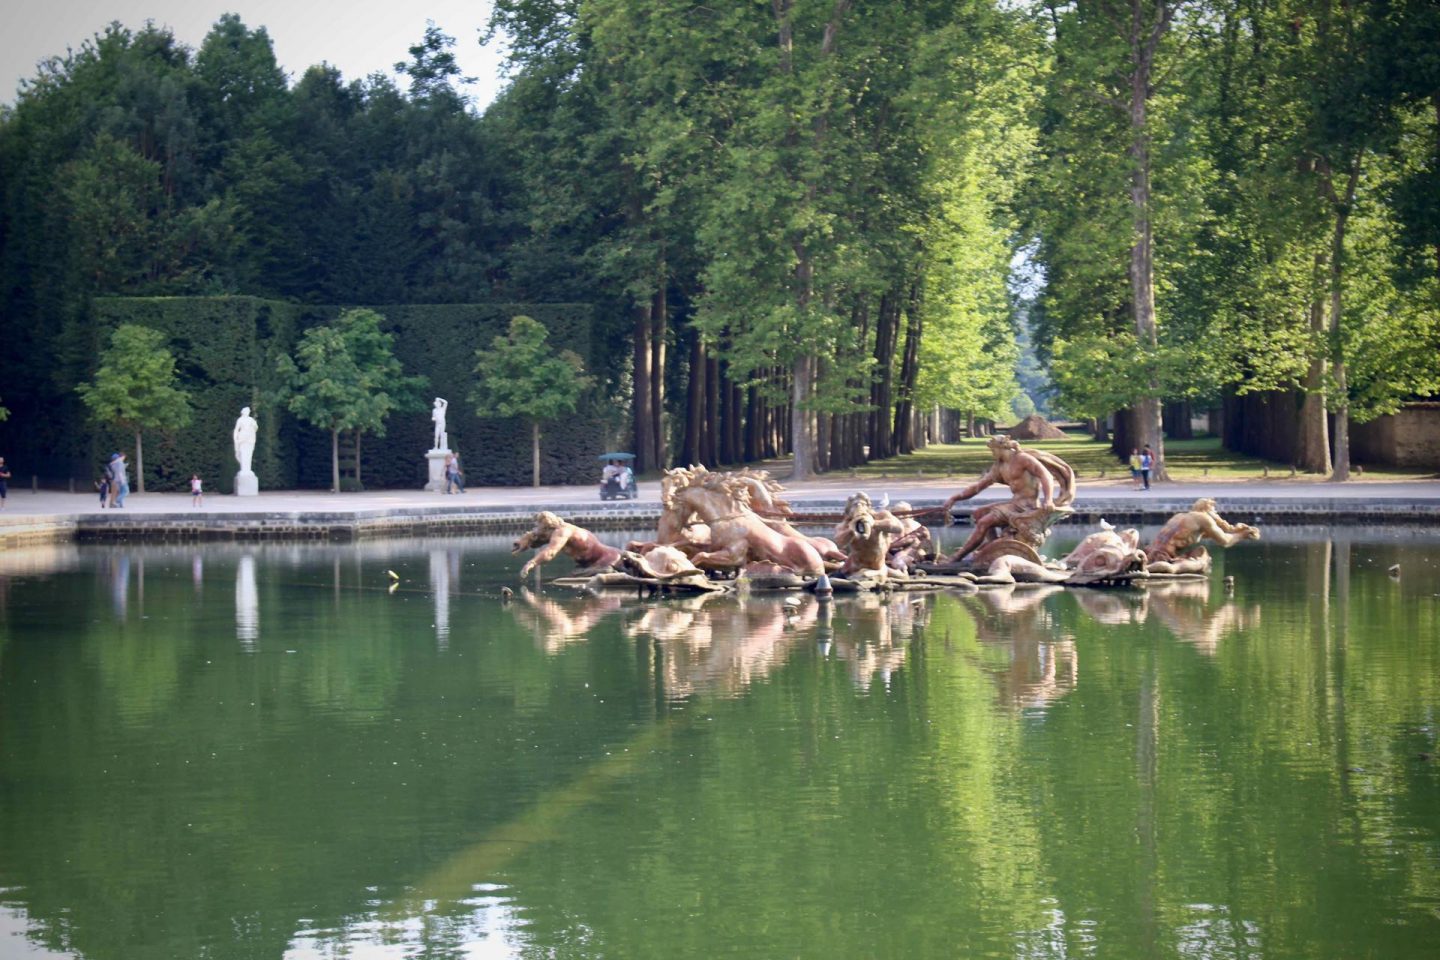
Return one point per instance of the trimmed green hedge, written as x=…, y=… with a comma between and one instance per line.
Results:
x=226, y=348
x=439, y=341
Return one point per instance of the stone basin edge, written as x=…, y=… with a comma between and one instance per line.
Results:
x=339, y=526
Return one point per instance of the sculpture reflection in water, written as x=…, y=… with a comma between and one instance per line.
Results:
x=1185, y=609
x=247, y=604
x=444, y=569
x=1041, y=664
x=871, y=633
x=555, y=624
x=712, y=644
x=720, y=644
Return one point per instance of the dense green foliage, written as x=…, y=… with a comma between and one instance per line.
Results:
x=520, y=375
x=344, y=376
x=1286, y=142
x=225, y=354
x=135, y=389
x=793, y=222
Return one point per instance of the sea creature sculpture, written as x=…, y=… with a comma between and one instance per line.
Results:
x=738, y=536
x=1105, y=555
x=866, y=536
x=553, y=536
x=1176, y=548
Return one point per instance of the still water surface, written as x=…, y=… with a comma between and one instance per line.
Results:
x=228, y=752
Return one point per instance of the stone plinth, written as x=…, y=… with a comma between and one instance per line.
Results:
x=247, y=484
x=436, y=461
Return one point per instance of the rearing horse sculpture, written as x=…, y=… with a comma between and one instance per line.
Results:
x=738, y=536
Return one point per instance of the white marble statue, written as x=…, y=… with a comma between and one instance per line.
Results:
x=442, y=440
x=244, y=436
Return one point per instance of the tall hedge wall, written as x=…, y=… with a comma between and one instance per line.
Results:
x=439, y=341
x=226, y=349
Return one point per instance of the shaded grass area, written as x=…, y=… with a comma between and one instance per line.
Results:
x=1200, y=459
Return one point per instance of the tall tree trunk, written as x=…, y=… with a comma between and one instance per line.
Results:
x=1312, y=454
x=359, y=483
x=909, y=371
x=1337, y=278
x=139, y=464
x=714, y=420
x=660, y=318
x=802, y=420
x=640, y=374
x=754, y=425
x=535, y=453
x=887, y=322
x=691, y=450
x=335, y=460
x=1144, y=36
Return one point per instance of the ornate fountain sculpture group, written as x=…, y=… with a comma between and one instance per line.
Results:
x=717, y=525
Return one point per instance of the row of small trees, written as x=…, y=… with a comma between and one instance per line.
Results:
x=344, y=376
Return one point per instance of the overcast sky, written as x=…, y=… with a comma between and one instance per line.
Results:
x=359, y=38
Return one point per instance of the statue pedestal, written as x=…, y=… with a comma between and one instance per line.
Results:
x=436, y=462
x=247, y=484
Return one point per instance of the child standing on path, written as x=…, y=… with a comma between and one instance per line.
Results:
x=1134, y=469
x=1147, y=463
x=197, y=491
x=103, y=486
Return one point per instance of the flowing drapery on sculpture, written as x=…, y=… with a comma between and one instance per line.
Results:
x=246, y=483
x=1042, y=487
x=244, y=437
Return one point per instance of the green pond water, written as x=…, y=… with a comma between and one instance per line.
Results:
x=228, y=752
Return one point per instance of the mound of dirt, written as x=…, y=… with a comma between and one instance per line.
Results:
x=1036, y=427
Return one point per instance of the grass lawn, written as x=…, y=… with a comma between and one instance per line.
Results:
x=1199, y=459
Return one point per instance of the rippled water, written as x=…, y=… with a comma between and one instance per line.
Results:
x=263, y=752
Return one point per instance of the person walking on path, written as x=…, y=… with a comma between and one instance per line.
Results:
x=1134, y=469
x=119, y=480
x=456, y=474
x=102, y=486
x=1147, y=463
x=449, y=473
x=4, y=483
x=197, y=491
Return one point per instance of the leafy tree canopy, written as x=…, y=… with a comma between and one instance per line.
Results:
x=521, y=376
x=135, y=386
